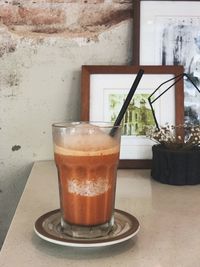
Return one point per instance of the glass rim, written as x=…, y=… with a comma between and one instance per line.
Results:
x=72, y=124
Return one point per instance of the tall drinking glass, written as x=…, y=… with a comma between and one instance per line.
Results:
x=86, y=156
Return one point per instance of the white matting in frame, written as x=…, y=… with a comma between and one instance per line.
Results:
x=105, y=86
x=170, y=35
x=159, y=20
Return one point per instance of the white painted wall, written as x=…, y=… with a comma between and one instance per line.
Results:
x=39, y=85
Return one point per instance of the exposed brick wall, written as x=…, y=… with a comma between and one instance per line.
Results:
x=64, y=16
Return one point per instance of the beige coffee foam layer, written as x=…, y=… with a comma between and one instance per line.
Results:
x=86, y=142
x=71, y=152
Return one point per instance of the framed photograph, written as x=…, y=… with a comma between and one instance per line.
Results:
x=103, y=91
x=168, y=33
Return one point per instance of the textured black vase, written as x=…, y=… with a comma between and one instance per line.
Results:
x=176, y=167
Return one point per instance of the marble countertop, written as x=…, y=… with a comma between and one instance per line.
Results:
x=169, y=218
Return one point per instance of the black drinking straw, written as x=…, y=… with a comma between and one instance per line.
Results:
x=127, y=101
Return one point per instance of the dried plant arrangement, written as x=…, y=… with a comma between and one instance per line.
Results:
x=180, y=137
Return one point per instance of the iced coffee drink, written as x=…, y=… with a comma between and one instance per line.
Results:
x=86, y=157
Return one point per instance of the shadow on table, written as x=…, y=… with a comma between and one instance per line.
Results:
x=74, y=253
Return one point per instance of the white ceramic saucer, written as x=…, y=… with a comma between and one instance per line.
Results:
x=48, y=228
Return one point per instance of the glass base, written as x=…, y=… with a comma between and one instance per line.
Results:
x=87, y=232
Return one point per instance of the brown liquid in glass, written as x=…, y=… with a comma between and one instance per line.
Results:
x=96, y=172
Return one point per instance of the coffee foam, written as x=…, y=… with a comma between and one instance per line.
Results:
x=87, y=140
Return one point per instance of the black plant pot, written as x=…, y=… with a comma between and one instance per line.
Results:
x=176, y=167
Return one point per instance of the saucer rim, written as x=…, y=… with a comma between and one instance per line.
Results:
x=41, y=232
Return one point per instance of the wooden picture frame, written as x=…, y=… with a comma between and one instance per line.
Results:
x=101, y=83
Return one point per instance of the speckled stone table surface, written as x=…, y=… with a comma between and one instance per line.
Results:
x=169, y=217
